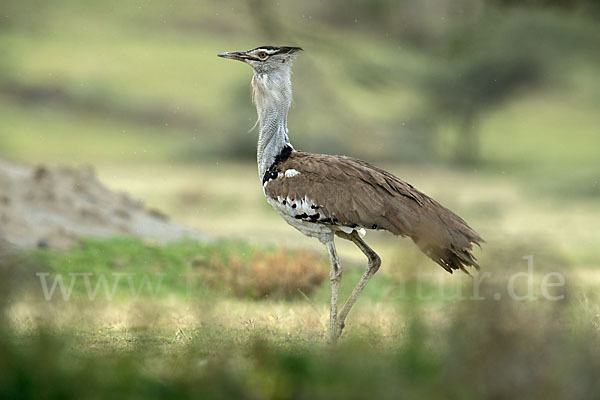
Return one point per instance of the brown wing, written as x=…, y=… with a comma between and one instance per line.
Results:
x=346, y=191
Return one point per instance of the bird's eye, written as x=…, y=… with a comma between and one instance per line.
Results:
x=262, y=54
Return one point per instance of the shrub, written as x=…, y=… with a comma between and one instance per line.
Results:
x=282, y=274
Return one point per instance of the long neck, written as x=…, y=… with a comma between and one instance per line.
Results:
x=272, y=94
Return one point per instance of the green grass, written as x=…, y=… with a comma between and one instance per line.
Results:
x=50, y=129
x=404, y=335
x=180, y=270
x=217, y=347
x=157, y=271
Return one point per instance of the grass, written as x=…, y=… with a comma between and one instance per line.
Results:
x=409, y=333
x=123, y=267
x=220, y=346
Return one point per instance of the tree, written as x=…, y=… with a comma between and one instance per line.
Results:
x=468, y=88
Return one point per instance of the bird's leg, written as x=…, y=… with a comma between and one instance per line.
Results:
x=335, y=276
x=372, y=267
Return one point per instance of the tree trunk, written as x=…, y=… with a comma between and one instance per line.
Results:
x=467, y=148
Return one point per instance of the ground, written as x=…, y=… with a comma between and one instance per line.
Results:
x=222, y=333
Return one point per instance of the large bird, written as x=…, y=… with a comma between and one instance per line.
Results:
x=324, y=196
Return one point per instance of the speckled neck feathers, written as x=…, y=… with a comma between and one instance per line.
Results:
x=272, y=95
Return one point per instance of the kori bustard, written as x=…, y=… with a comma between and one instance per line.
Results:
x=324, y=196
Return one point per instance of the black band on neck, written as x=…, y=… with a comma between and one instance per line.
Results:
x=273, y=170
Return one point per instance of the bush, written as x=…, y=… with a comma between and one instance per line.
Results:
x=282, y=274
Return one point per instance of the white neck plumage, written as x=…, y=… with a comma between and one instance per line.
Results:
x=272, y=95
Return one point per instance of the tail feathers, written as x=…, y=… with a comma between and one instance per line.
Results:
x=448, y=241
x=451, y=258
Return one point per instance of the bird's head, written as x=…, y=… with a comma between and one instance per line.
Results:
x=266, y=59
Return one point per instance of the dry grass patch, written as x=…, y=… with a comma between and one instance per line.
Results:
x=283, y=274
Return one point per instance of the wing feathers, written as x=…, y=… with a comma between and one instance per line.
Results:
x=350, y=192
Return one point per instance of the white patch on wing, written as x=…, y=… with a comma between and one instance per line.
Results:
x=320, y=231
x=295, y=207
x=361, y=231
x=346, y=229
x=305, y=206
x=290, y=173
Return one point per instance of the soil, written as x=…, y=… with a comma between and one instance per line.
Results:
x=55, y=207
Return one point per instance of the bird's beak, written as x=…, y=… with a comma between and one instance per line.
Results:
x=234, y=55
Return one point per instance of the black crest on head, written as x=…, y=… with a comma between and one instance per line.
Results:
x=279, y=49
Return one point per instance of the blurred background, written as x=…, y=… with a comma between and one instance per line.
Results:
x=490, y=106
